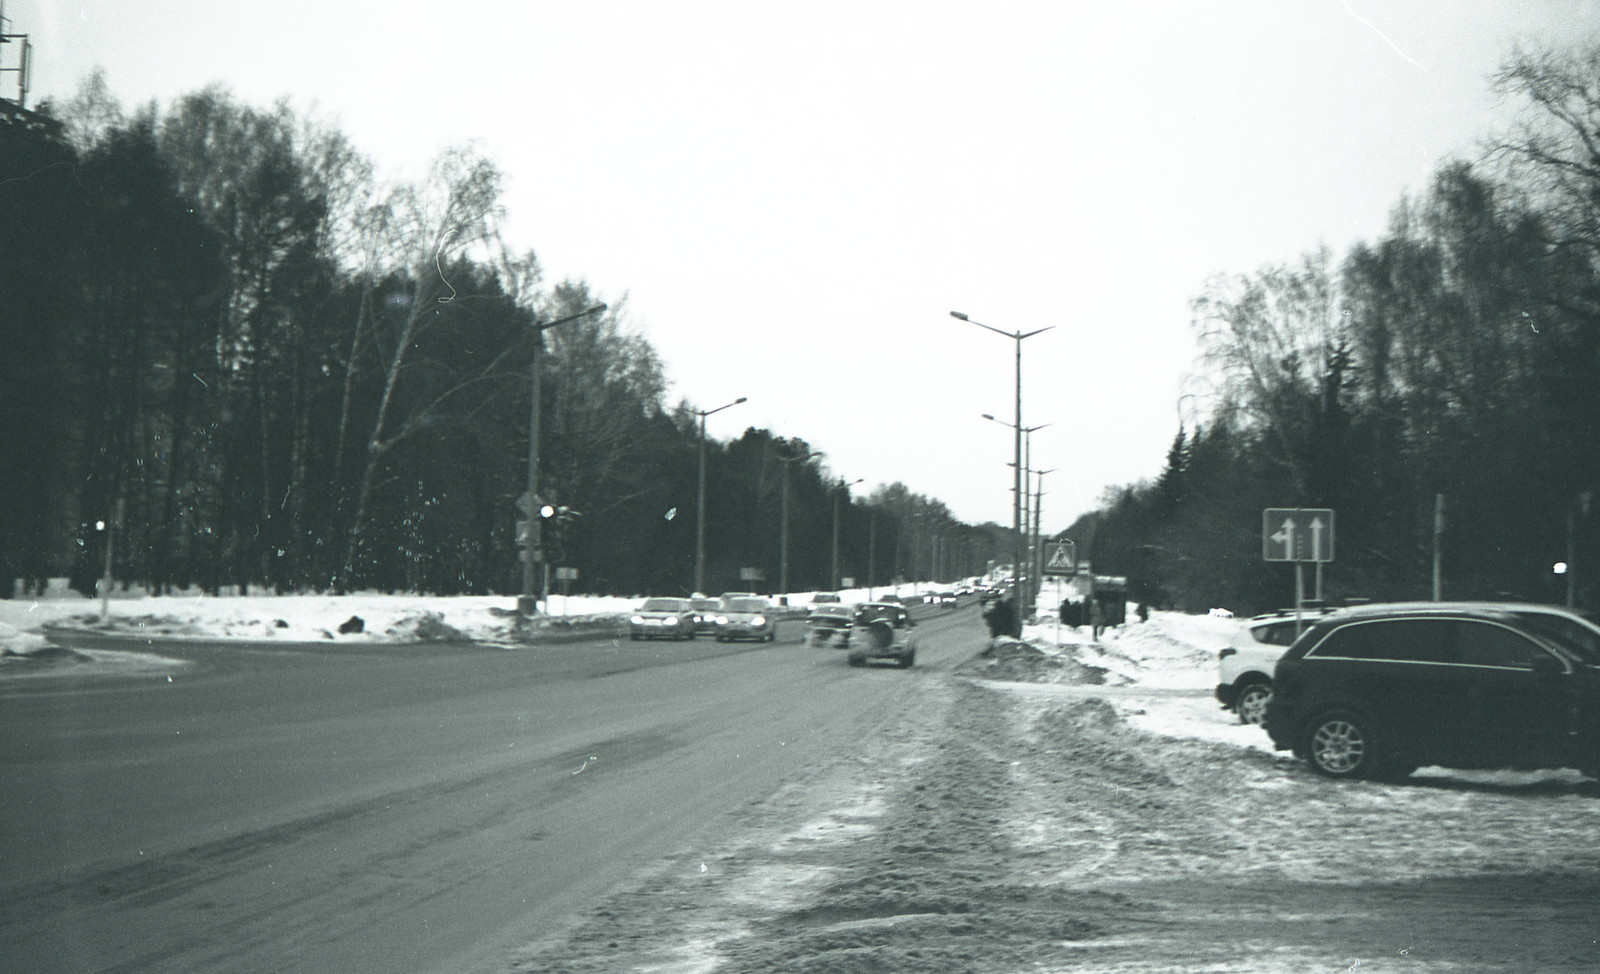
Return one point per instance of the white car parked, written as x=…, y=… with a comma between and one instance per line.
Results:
x=1244, y=669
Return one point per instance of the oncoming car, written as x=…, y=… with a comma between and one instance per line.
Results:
x=663, y=619
x=705, y=613
x=746, y=618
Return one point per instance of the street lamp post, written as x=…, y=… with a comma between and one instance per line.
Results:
x=1016, y=495
x=872, y=548
x=1027, y=460
x=783, y=543
x=1036, y=564
x=533, y=543
x=842, y=488
x=700, y=499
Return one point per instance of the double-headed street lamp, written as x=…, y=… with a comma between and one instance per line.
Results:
x=842, y=488
x=700, y=499
x=1016, y=494
x=533, y=539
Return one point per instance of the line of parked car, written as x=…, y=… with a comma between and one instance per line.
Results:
x=1377, y=691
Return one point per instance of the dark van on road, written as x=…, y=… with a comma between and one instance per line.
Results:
x=1382, y=690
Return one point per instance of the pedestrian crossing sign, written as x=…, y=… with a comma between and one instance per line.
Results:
x=1060, y=558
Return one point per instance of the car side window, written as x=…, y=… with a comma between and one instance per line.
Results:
x=1486, y=644
x=1397, y=640
x=1275, y=634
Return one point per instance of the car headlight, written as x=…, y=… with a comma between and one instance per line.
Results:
x=759, y=621
x=638, y=620
x=721, y=620
x=670, y=621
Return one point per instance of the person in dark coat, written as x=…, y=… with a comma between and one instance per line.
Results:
x=1002, y=618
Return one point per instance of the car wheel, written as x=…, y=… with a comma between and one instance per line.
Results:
x=1340, y=744
x=907, y=660
x=856, y=658
x=1251, y=703
x=634, y=636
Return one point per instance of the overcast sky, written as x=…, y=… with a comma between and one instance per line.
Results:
x=794, y=196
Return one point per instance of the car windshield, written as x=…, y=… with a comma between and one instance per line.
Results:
x=833, y=611
x=661, y=605
x=1565, y=631
x=706, y=605
x=747, y=605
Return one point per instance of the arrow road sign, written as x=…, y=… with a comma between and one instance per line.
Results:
x=1297, y=534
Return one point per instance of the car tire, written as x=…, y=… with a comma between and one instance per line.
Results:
x=634, y=636
x=856, y=658
x=1251, y=702
x=907, y=659
x=1341, y=744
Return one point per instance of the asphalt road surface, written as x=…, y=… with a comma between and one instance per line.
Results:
x=414, y=808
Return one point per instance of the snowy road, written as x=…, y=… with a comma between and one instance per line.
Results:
x=413, y=808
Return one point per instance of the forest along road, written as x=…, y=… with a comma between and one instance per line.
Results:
x=415, y=808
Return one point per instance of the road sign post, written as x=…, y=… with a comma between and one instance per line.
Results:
x=1299, y=535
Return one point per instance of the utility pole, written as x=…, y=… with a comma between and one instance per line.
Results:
x=842, y=488
x=533, y=539
x=783, y=544
x=700, y=499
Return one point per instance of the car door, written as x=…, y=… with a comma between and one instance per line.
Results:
x=1520, y=696
x=1398, y=672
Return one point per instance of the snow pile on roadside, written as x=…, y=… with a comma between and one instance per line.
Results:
x=1157, y=674
x=1172, y=651
x=292, y=618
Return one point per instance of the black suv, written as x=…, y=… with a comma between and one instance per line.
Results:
x=1379, y=691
